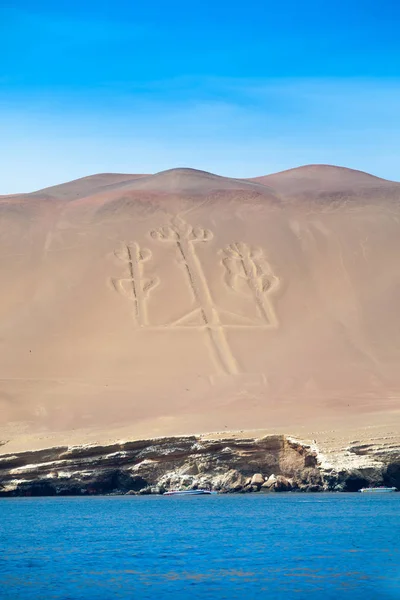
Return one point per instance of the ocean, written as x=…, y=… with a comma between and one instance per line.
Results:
x=300, y=546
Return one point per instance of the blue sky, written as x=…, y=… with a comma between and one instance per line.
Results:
x=237, y=88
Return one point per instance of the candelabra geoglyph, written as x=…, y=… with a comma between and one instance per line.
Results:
x=247, y=273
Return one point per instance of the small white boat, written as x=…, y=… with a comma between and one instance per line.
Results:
x=188, y=493
x=378, y=490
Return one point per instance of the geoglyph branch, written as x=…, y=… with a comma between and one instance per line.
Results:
x=136, y=287
x=181, y=231
x=247, y=263
x=185, y=236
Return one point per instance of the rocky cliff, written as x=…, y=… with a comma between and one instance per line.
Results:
x=228, y=464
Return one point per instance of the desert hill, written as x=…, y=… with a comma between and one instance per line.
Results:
x=331, y=182
x=187, y=302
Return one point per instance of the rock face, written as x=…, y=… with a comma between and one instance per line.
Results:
x=279, y=484
x=272, y=463
x=257, y=479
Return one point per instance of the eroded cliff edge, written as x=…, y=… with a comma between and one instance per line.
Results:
x=229, y=464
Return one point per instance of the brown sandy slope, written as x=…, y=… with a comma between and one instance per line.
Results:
x=320, y=181
x=187, y=302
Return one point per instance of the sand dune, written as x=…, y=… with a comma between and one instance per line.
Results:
x=317, y=178
x=79, y=188
x=188, y=302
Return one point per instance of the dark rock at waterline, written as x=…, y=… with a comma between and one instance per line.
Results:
x=273, y=463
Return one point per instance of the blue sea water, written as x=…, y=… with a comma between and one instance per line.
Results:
x=300, y=546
